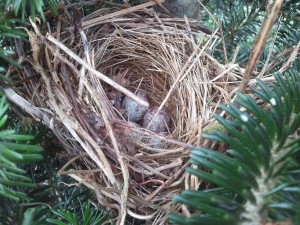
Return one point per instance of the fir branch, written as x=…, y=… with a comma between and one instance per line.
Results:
x=14, y=149
x=259, y=169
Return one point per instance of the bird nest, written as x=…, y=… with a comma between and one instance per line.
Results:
x=77, y=78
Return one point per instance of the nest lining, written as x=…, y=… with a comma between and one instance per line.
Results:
x=153, y=67
x=157, y=55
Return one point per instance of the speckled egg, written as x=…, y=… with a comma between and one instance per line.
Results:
x=159, y=123
x=153, y=142
x=133, y=111
x=136, y=136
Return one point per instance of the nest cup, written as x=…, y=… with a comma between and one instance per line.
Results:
x=169, y=60
x=155, y=60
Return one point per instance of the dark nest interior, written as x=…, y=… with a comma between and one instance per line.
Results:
x=93, y=83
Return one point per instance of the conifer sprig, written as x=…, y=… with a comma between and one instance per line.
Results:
x=257, y=177
x=14, y=149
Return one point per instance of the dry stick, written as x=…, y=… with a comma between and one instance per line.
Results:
x=32, y=88
x=98, y=74
x=182, y=75
x=71, y=171
x=229, y=69
x=177, y=162
x=23, y=81
x=107, y=190
x=137, y=216
x=85, y=3
x=61, y=138
x=94, y=22
x=271, y=14
x=102, y=201
x=106, y=107
x=162, y=25
x=28, y=107
x=69, y=87
x=209, y=13
x=163, y=8
x=167, y=183
x=58, y=30
x=291, y=59
x=266, y=63
x=188, y=27
x=235, y=54
x=104, y=113
x=156, y=135
x=264, y=79
x=146, y=166
x=223, y=40
x=51, y=70
x=71, y=161
x=78, y=29
x=124, y=169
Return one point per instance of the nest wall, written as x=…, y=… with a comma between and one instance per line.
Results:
x=154, y=60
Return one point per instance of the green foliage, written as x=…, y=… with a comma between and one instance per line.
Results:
x=14, y=149
x=89, y=216
x=22, y=215
x=14, y=13
x=56, y=198
x=8, y=32
x=258, y=180
x=241, y=21
x=7, y=29
x=41, y=215
x=30, y=7
x=2, y=77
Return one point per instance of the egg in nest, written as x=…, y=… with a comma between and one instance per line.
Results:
x=133, y=111
x=159, y=123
